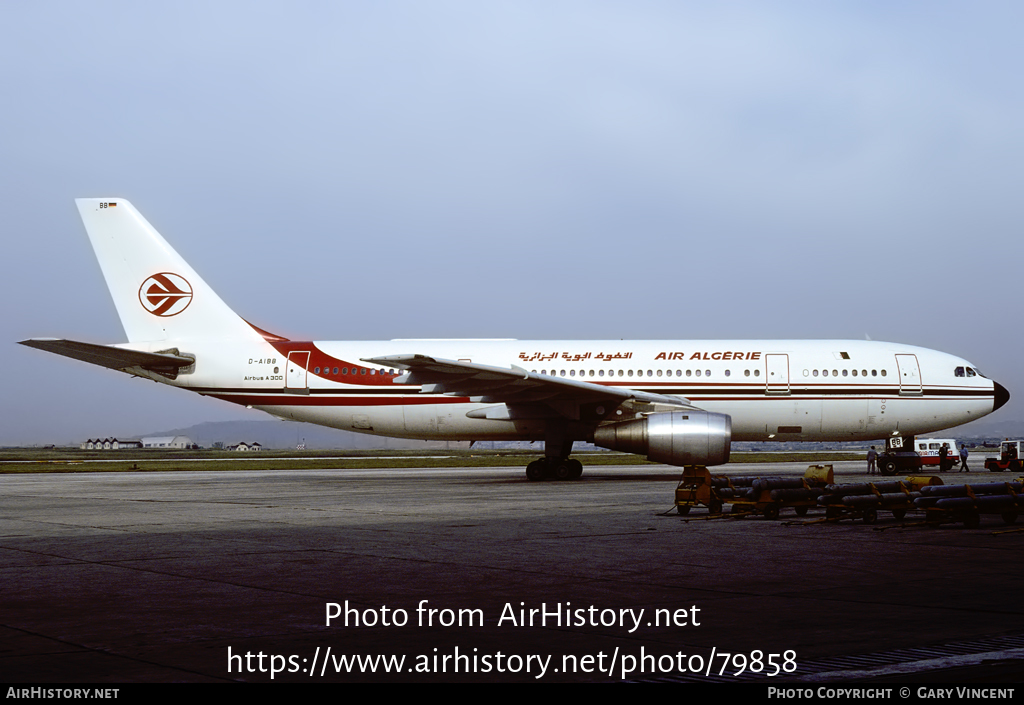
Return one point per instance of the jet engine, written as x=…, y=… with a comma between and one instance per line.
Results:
x=674, y=438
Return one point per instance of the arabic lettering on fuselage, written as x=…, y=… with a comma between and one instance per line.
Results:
x=574, y=357
x=668, y=355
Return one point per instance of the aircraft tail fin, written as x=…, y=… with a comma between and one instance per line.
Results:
x=158, y=296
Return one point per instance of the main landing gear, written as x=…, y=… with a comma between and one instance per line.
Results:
x=556, y=463
x=554, y=469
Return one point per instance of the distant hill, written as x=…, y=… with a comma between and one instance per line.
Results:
x=986, y=428
x=288, y=434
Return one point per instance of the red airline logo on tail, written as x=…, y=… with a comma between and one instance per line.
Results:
x=165, y=294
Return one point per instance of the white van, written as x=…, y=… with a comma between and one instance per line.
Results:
x=928, y=449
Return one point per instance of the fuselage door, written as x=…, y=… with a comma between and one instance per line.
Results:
x=910, y=374
x=776, y=374
x=295, y=370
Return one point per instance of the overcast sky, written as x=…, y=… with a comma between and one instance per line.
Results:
x=352, y=170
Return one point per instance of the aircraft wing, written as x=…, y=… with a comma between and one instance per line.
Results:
x=112, y=357
x=512, y=385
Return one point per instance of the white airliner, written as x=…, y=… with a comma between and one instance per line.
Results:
x=680, y=402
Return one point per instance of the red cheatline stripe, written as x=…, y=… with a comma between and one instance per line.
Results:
x=302, y=400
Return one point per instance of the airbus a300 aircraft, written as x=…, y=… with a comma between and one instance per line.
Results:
x=677, y=402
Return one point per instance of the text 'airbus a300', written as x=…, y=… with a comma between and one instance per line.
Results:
x=677, y=402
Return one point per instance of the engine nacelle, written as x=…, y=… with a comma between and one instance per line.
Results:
x=674, y=438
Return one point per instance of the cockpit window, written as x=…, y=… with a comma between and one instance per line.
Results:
x=959, y=372
x=979, y=372
x=971, y=372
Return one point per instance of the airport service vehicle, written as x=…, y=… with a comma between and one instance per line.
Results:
x=899, y=456
x=928, y=449
x=680, y=402
x=1011, y=457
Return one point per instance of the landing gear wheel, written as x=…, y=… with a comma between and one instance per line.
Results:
x=577, y=469
x=563, y=470
x=536, y=471
x=870, y=515
x=771, y=511
x=568, y=469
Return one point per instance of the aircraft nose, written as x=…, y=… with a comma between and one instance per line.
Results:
x=1001, y=396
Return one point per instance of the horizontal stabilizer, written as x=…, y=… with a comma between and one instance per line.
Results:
x=112, y=357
